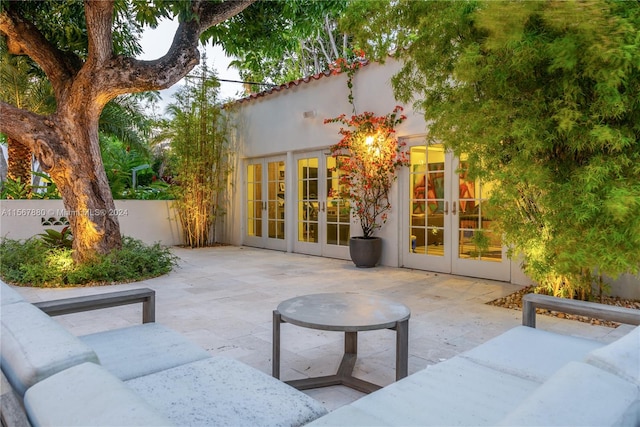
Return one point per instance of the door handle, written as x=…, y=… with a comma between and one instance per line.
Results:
x=453, y=210
x=264, y=206
x=446, y=208
x=322, y=206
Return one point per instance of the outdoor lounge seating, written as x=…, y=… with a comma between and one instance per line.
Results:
x=141, y=375
x=525, y=376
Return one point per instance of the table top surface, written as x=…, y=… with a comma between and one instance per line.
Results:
x=349, y=312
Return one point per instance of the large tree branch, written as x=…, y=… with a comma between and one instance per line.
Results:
x=24, y=38
x=99, y=16
x=132, y=75
x=31, y=129
x=214, y=13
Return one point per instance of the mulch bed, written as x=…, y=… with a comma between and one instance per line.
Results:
x=514, y=302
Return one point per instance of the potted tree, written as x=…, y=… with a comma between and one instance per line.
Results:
x=368, y=156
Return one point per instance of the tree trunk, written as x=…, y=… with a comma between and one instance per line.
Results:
x=66, y=142
x=19, y=162
x=75, y=165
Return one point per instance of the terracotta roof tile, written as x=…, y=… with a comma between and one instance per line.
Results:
x=289, y=85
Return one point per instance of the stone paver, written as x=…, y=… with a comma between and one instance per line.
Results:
x=223, y=298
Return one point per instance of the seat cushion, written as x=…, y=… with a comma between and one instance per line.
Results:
x=348, y=416
x=225, y=392
x=531, y=353
x=579, y=395
x=621, y=357
x=455, y=392
x=88, y=395
x=142, y=350
x=34, y=346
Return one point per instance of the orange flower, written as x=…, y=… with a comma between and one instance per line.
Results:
x=368, y=157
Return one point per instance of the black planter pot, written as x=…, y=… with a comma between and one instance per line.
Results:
x=365, y=253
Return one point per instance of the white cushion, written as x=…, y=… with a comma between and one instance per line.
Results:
x=87, y=395
x=34, y=346
x=8, y=295
x=531, y=353
x=224, y=392
x=579, y=395
x=621, y=357
x=455, y=392
x=348, y=416
x=142, y=349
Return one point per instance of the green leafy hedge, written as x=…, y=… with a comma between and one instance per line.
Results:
x=34, y=263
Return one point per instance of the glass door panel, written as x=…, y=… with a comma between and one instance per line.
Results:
x=254, y=200
x=428, y=207
x=323, y=218
x=478, y=249
x=338, y=209
x=476, y=240
x=447, y=229
x=308, y=226
x=265, y=207
x=275, y=200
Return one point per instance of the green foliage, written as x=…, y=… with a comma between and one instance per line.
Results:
x=16, y=190
x=199, y=131
x=481, y=242
x=544, y=97
x=156, y=190
x=46, y=190
x=63, y=24
x=279, y=41
x=34, y=263
x=119, y=162
x=57, y=239
x=125, y=119
x=23, y=84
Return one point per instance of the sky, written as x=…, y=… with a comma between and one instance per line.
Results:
x=156, y=42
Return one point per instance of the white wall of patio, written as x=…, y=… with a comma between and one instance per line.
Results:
x=151, y=221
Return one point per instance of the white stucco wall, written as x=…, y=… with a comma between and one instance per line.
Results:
x=275, y=124
x=151, y=221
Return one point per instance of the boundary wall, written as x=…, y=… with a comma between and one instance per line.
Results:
x=151, y=221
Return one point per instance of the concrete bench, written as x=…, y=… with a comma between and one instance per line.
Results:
x=144, y=375
x=525, y=376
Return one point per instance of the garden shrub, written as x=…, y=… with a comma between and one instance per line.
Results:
x=34, y=263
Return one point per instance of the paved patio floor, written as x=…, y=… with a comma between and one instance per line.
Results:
x=223, y=298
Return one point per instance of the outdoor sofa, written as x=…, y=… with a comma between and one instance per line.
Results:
x=144, y=375
x=523, y=377
x=149, y=375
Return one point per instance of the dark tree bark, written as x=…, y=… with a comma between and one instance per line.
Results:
x=66, y=142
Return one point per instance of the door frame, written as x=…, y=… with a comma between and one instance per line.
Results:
x=440, y=261
x=463, y=266
x=264, y=241
x=446, y=259
x=321, y=247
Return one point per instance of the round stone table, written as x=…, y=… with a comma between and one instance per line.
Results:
x=349, y=313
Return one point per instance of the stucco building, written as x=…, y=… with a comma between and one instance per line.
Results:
x=282, y=184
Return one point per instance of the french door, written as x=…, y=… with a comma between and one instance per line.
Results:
x=446, y=228
x=265, y=203
x=322, y=217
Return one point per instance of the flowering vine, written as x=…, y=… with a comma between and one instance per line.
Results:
x=368, y=157
x=342, y=65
